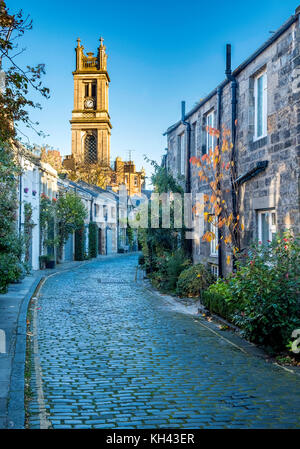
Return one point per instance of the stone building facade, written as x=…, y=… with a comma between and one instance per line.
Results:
x=267, y=141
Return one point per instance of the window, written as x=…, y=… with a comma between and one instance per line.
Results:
x=214, y=230
x=94, y=90
x=90, y=149
x=209, y=138
x=266, y=226
x=112, y=212
x=105, y=212
x=214, y=270
x=260, y=106
x=86, y=90
x=136, y=181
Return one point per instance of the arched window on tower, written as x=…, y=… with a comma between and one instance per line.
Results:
x=90, y=149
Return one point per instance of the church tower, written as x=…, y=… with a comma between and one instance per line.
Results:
x=90, y=122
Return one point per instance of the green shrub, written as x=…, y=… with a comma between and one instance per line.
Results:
x=176, y=264
x=266, y=289
x=218, y=299
x=141, y=260
x=93, y=239
x=79, y=244
x=167, y=268
x=11, y=270
x=194, y=280
x=11, y=244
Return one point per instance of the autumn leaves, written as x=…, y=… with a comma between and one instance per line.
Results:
x=217, y=173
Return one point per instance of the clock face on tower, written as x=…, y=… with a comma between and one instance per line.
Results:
x=89, y=103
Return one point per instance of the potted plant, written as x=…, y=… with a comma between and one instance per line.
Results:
x=47, y=262
x=50, y=263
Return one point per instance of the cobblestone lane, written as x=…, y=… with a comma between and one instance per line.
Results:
x=115, y=356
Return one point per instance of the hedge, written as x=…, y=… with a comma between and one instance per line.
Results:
x=93, y=239
x=79, y=244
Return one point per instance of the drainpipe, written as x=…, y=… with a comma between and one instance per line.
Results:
x=219, y=120
x=189, y=245
x=188, y=148
x=233, y=80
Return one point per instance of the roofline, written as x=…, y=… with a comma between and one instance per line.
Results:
x=241, y=67
x=76, y=186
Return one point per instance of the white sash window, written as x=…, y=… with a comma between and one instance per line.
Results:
x=260, y=101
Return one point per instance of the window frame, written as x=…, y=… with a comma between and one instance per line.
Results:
x=214, y=242
x=264, y=112
x=272, y=227
x=214, y=268
x=207, y=135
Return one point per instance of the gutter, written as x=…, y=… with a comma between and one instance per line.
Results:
x=188, y=148
x=260, y=166
x=189, y=243
x=234, y=195
x=231, y=78
x=220, y=92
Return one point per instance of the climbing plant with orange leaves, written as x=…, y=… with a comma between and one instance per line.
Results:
x=217, y=171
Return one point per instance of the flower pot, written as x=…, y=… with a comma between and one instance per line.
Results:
x=50, y=264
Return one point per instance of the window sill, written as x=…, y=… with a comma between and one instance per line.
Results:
x=256, y=139
x=258, y=143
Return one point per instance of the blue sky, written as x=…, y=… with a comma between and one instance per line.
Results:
x=159, y=53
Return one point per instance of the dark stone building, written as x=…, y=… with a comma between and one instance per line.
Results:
x=267, y=145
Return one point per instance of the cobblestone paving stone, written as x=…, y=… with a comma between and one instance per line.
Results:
x=115, y=356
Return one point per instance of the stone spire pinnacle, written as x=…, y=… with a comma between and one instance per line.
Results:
x=102, y=55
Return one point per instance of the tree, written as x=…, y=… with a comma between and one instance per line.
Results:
x=17, y=80
x=91, y=173
x=10, y=242
x=156, y=241
x=70, y=216
x=217, y=172
x=15, y=84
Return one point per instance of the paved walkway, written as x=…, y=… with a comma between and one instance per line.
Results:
x=109, y=354
x=13, y=311
x=13, y=307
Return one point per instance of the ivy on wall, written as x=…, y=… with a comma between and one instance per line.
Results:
x=11, y=267
x=79, y=244
x=28, y=226
x=93, y=239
